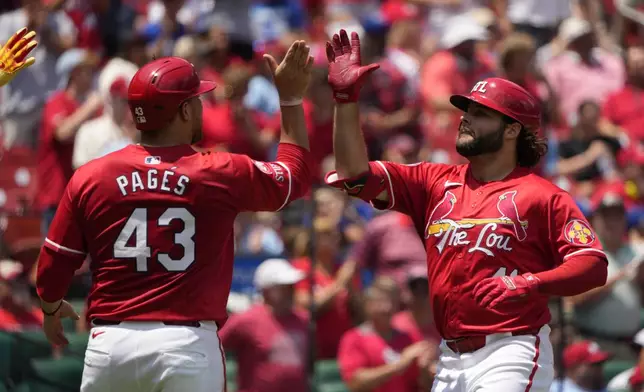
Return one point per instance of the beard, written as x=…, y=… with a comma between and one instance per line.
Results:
x=478, y=145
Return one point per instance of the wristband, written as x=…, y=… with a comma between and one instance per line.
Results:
x=291, y=102
x=54, y=312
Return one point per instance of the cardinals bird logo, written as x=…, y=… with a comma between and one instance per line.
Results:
x=439, y=222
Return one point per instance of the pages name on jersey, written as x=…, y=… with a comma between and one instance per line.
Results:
x=152, y=180
x=457, y=232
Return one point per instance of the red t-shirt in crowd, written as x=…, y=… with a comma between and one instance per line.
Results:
x=271, y=352
x=19, y=318
x=625, y=108
x=332, y=323
x=404, y=321
x=54, y=157
x=363, y=348
x=219, y=128
x=157, y=223
x=320, y=138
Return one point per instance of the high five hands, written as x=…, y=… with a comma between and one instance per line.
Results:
x=13, y=54
x=346, y=72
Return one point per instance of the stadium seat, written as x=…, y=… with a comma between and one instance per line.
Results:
x=615, y=367
x=6, y=350
x=337, y=386
x=326, y=371
x=35, y=386
x=64, y=373
x=29, y=345
x=231, y=370
x=77, y=344
x=18, y=178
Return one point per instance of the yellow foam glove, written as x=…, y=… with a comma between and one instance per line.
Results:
x=14, y=52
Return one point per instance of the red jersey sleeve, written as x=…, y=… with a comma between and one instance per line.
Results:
x=270, y=186
x=351, y=355
x=406, y=186
x=64, y=249
x=570, y=234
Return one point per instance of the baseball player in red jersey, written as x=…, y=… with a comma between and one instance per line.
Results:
x=500, y=240
x=156, y=220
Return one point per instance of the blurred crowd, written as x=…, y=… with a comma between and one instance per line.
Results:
x=584, y=60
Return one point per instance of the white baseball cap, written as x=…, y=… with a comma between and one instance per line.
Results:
x=460, y=29
x=573, y=28
x=276, y=272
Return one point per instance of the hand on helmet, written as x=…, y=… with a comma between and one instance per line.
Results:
x=346, y=73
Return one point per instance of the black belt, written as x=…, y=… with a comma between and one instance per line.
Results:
x=194, y=324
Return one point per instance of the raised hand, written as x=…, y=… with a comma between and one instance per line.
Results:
x=346, y=72
x=293, y=74
x=13, y=54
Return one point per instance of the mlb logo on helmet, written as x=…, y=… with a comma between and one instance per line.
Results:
x=152, y=160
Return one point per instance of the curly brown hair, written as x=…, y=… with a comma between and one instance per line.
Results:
x=530, y=146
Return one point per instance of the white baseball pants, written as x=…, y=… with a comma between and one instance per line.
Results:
x=154, y=357
x=507, y=363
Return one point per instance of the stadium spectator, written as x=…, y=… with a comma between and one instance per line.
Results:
x=539, y=18
x=163, y=33
x=333, y=288
x=516, y=61
x=417, y=320
x=623, y=111
x=621, y=381
x=261, y=236
x=583, y=71
x=18, y=310
x=390, y=247
x=584, y=364
x=588, y=154
x=270, y=339
x=618, y=299
x=23, y=99
x=111, y=131
x=63, y=115
x=401, y=149
x=390, y=99
x=230, y=124
x=636, y=382
x=452, y=70
x=377, y=357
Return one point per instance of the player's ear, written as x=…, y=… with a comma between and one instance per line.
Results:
x=512, y=130
x=184, y=110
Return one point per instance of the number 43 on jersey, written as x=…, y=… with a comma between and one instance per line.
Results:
x=137, y=227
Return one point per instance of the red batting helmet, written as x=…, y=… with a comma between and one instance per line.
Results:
x=505, y=97
x=159, y=87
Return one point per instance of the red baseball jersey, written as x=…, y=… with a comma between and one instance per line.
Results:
x=473, y=230
x=157, y=223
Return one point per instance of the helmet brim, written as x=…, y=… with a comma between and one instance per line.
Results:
x=204, y=87
x=461, y=102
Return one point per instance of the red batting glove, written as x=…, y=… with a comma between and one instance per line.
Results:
x=346, y=73
x=491, y=292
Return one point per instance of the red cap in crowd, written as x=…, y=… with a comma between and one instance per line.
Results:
x=118, y=88
x=610, y=195
x=584, y=352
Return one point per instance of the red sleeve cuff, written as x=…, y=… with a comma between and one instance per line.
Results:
x=366, y=186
